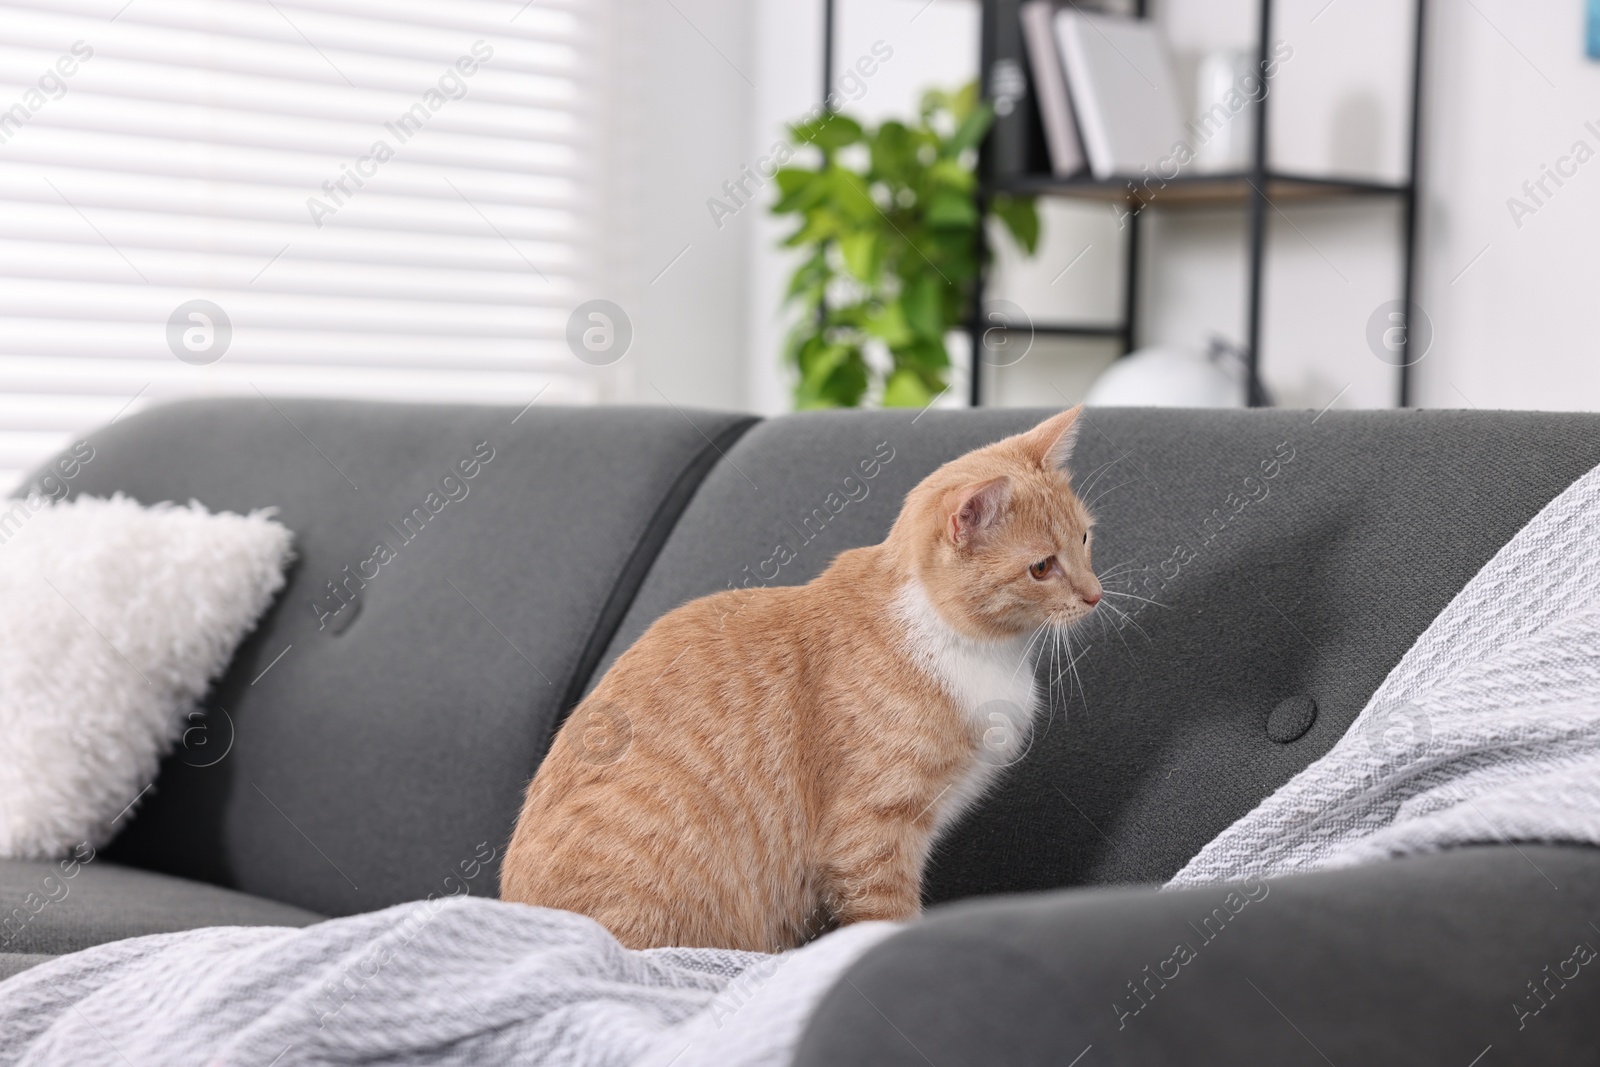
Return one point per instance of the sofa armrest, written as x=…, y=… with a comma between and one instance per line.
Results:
x=1429, y=959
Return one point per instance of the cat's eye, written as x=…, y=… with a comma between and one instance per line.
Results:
x=1041, y=569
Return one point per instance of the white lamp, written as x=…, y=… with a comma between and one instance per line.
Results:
x=1172, y=377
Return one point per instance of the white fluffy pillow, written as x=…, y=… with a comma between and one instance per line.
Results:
x=114, y=619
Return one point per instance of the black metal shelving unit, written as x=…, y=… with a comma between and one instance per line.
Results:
x=1014, y=160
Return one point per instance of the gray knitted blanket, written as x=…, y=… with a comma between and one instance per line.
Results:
x=460, y=981
x=1487, y=730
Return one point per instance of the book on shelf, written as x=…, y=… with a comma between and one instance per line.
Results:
x=1116, y=89
x=1050, y=89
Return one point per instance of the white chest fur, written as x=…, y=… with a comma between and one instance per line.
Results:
x=990, y=682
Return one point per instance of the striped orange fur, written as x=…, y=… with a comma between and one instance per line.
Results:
x=766, y=762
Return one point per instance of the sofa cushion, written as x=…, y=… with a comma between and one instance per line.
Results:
x=54, y=907
x=1431, y=959
x=1289, y=555
x=148, y=605
x=359, y=755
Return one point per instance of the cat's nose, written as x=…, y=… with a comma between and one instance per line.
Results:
x=1092, y=597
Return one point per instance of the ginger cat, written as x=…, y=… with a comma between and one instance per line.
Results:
x=793, y=752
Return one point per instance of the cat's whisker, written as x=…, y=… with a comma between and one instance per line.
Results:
x=1130, y=620
x=1060, y=634
x=1065, y=664
x=1049, y=697
x=1065, y=638
x=1105, y=493
x=1132, y=596
x=1117, y=568
x=1095, y=475
x=1071, y=671
x=1122, y=623
x=1027, y=649
x=1050, y=663
x=1055, y=679
x=1078, y=676
x=1106, y=620
x=1115, y=578
x=1028, y=645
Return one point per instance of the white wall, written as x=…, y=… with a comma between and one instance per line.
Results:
x=788, y=43
x=1507, y=89
x=1512, y=92
x=685, y=85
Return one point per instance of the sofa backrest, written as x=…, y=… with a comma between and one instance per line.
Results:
x=1278, y=555
x=359, y=755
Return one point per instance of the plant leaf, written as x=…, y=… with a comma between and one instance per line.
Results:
x=927, y=356
x=950, y=173
x=947, y=208
x=922, y=304
x=1021, y=216
x=894, y=152
x=836, y=377
x=905, y=389
x=861, y=253
x=821, y=224
x=796, y=189
x=851, y=196
x=970, y=132
x=830, y=131
x=890, y=325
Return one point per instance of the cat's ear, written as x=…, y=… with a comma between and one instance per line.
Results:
x=976, y=508
x=1050, y=443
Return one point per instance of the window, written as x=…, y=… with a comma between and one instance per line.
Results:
x=395, y=199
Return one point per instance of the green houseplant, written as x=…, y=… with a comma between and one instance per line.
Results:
x=888, y=224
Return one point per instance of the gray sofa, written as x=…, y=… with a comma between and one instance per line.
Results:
x=371, y=740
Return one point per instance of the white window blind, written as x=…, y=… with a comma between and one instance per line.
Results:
x=394, y=199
